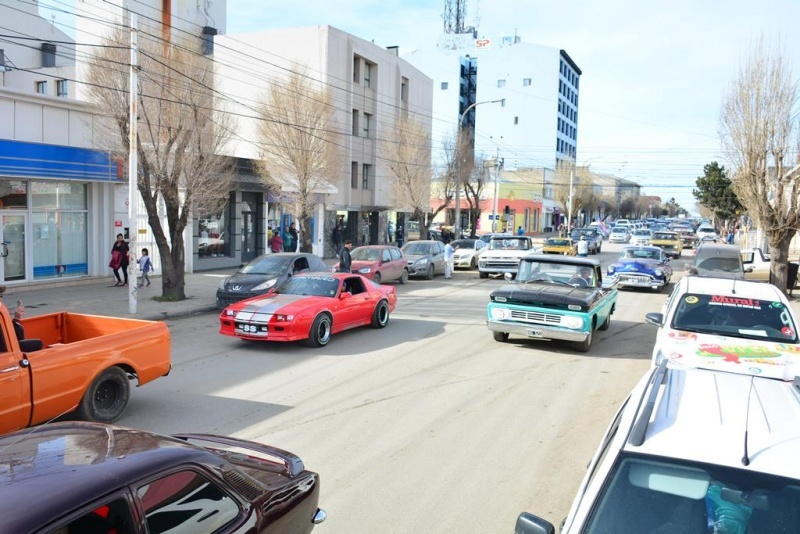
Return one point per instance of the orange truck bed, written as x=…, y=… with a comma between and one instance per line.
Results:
x=85, y=366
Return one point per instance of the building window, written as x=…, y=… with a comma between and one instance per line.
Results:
x=48, y=55
x=367, y=120
x=444, y=86
x=366, y=170
x=353, y=175
x=356, y=69
x=60, y=238
x=501, y=83
x=355, y=122
x=526, y=82
x=404, y=90
x=215, y=233
x=61, y=88
x=41, y=88
x=516, y=121
x=368, y=68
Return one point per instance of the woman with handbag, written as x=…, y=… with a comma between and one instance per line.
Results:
x=119, y=260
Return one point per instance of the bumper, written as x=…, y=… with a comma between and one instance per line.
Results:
x=627, y=281
x=465, y=262
x=421, y=270
x=226, y=298
x=535, y=331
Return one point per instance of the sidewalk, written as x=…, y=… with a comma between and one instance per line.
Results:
x=98, y=296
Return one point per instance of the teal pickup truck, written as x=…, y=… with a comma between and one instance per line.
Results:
x=554, y=297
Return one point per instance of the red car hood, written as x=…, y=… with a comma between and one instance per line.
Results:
x=356, y=265
x=272, y=303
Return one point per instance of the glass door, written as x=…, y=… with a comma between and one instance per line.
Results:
x=248, y=236
x=12, y=250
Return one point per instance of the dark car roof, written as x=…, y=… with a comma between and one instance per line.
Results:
x=58, y=467
x=568, y=260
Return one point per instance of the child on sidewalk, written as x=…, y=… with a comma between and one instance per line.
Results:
x=145, y=265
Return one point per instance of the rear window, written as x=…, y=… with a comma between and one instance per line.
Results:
x=665, y=236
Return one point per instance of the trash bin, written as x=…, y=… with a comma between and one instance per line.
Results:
x=791, y=278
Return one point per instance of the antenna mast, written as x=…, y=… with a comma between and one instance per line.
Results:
x=455, y=13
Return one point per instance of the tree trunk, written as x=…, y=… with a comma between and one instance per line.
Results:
x=173, y=277
x=306, y=239
x=779, y=258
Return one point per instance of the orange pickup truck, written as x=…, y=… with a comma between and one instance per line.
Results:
x=85, y=366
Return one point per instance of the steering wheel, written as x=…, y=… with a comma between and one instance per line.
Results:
x=578, y=281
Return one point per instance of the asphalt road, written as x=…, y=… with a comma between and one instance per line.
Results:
x=426, y=426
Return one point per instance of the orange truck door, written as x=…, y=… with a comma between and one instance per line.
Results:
x=15, y=398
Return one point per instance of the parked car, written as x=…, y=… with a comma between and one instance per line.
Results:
x=264, y=273
x=92, y=478
x=467, y=252
x=669, y=242
x=641, y=267
x=503, y=254
x=379, y=263
x=560, y=245
x=641, y=237
x=554, y=297
x=700, y=445
x=727, y=321
x=593, y=238
x=310, y=307
x=714, y=259
x=756, y=264
x=424, y=258
x=70, y=362
x=620, y=234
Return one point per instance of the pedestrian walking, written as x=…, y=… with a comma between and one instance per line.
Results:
x=448, y=259
x=145, y=265
x=336, y=237
x=520, y=231
x=561, y=230
x=345, y=263
x=390, y=232
x=295, y=240
x=400, y=237
x=120, y=260
x=288, y=241
x=277, y=242
x=583, y=247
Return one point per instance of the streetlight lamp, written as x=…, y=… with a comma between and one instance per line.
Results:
x=461, y=143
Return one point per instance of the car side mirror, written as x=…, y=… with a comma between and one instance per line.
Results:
x=531, y=524
x=508, y=277
x=345, y=295
x=656, y=319
x=748, y=268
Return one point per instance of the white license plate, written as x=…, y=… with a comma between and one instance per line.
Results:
x=251, y=329
x=533, y=332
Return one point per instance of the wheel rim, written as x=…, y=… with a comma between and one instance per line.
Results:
x=324, y=330
x=383, y=314
x=431, y=272
x=106, y=396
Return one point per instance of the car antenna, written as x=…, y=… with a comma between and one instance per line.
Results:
x=746, y=457
x=733, y=290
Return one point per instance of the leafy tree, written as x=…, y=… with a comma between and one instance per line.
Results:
x=715, y=191
x=759, y=128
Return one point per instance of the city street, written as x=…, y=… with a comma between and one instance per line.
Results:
x=428, y=425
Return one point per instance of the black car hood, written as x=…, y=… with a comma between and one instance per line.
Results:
x=547, y=294
x=245, y=282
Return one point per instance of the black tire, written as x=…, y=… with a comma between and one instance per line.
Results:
x=659, y=289
x=380, y=317
x=107, y=397
x=404, y=276
x=483, y=274
x=377, y=278
x=606, y=323
x=502, y=337
x=320, y=333
x=586, y=345
x=431, y=272
x=473, y=264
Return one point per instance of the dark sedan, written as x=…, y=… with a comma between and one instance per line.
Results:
x=90, y=478
x=265, y=272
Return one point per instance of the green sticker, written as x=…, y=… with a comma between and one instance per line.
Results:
x=776, y=305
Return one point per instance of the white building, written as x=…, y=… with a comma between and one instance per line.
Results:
x=535, y=122
x=370, y=87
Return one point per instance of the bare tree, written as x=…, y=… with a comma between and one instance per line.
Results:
x=299, y=144
x=474, y=191
x=582, y=188
x=179, y=136
x=759, y=129
x=409, y=155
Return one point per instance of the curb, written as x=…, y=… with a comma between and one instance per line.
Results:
x=164, y=315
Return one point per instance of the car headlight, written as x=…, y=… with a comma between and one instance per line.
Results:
x=610, y=269
x=573, y=322
x=421, y=261
x=222, y=283
x=281, y=318
x=500, y=314
x=266, y=285
x=658, y=272
x=365, y=270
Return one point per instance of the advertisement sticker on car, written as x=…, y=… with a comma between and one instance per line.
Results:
x=246, y=329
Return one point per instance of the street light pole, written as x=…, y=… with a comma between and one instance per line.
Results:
x=460, y=144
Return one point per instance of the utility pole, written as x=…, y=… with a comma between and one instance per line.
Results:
x=569, y=207
x=133, y=163
x=496, y=190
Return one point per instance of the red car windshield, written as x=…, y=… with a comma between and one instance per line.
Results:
x=365, y=254
x=317, y=286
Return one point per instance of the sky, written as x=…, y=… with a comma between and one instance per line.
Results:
x=654, y=72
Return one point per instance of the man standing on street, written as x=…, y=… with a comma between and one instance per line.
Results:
x=583, y=247
x=448, y=259
x=344, y=258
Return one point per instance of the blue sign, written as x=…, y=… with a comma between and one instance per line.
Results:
x=35, y=160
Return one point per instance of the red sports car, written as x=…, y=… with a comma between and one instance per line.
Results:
x=310, y=307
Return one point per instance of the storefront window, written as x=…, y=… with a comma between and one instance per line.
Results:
x=13, y=194
x=59, y=229
x=215, y=234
